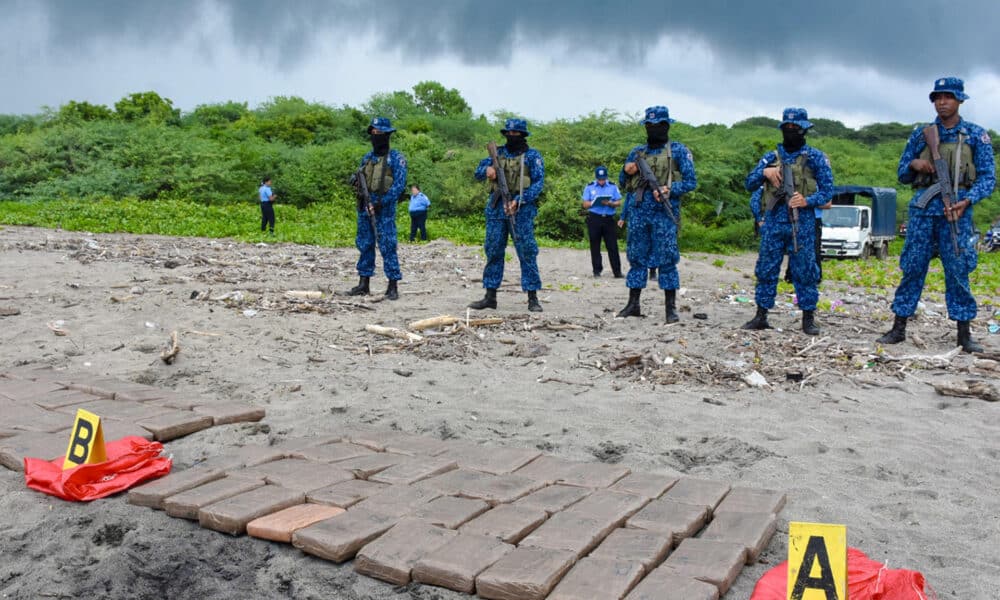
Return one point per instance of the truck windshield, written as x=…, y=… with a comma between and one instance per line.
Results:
x=840, y=216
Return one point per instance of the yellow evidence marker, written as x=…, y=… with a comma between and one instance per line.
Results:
x=86, y=441
x=817, y=561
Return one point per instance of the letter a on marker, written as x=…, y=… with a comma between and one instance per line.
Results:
x=86, y=441
x=817, y=561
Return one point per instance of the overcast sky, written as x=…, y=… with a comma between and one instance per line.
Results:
x=859, y=61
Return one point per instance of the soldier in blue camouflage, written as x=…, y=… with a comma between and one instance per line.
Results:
x=525, y=173
x=968, y=150
x=650, y=213
x=385, y=174
x=813, y=187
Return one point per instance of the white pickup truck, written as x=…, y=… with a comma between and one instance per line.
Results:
x=858, y=230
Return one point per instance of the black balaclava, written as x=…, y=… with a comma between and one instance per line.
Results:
x=793, y=138
x=657, y=134
x=516, y=144
x=380, y=144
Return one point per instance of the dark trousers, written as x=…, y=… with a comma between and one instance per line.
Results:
x=418, y=220
x=266, y=216
x=603, y=228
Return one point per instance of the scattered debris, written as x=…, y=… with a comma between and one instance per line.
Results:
x=969, y=389
x=172, y=350
x=57, y=327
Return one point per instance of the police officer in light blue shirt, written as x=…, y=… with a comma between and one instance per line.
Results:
x=601, y=198
x=419, y=203
x=266, y=205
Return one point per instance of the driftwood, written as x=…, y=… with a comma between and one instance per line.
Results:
x=304, y=294
x=433, y=322
x=393, y=332
x=937, y=360
x=969, y=389
x=171, y=352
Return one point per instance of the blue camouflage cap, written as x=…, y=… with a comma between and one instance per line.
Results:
x=657, y=114
x=382, y=124
x=950, y=85
x=516, y=125
x=795, y=116
x=601, y=172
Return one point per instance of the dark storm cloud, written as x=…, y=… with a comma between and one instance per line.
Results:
x=907, y=39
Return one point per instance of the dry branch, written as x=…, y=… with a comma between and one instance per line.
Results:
x=171, y=352
x=969, y=389
x=393, y=332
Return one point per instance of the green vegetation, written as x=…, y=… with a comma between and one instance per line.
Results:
x=143, y=166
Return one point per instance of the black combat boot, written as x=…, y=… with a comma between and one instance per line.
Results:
x=897, y=333
x=965, y=338
x=391, y=293
x=488, y=301
x=809, y=323
x=652, y=274
x=759, y=321
x=361, y=289
x=632, y=308
x=670, y=296
x=533, y=304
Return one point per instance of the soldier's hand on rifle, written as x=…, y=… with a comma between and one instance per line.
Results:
x=621, y=223
x=797, y=201
x=773, y=175
x=921, y=165
x=631, y=168
x=661, y=194
x=511, y=207
x=956, y=210
x=491, y=173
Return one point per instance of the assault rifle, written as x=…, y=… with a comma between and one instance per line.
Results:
x=650, y=180
x=784, y=194
x=509, y=205
x=944, y=184
x=365, y=203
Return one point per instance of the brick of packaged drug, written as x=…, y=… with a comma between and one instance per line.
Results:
x=25, y=416
x=452, y=482
x=175, y=424
x=339, y=538
x=490, y=459
x=232, y=514
x=332, y=453
x=674, y=518
x=116, y=430
x=293, y=445
x=364, y=467
x=186, y=504
x=596, y=475
x=610, y=507
x=373, y=439
x=500, y=489
x=279, y=526
x=754, y=531
x=298, y=474
x=31, y=444
x=414, y=445
x=598, y=578
x=647, y=547
x=414, y=471
x=717, y=563
x=23, y=390
x=121, y=410
x=241, y=458
x=508, y=522
x=650, y=485
x=549, y=469
x=397, y=500
x=571, y=531
x=661, y=584
x=752, y=500
x=456, y=564
x=391, y=557
x=153, y=493
x=524, y=574
x=553, y=498
x=697, y=491
x=225, y=413
x=450, y=512
x=62, y=397
x=345, y=494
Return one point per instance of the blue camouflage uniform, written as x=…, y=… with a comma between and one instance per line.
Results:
x=652, y=234
x=755, y=208
x=927, y=229
x=385, y=218
x=776, y=234
x=498, y=227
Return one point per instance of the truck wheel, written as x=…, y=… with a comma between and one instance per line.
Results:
x=883, y=251
x=866, y=252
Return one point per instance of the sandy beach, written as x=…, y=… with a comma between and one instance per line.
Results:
x=853, y=437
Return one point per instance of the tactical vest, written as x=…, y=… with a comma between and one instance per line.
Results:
x=664, y=167
x=517, y=178
x=378, y=175
x=803, y=178
x=967, y=168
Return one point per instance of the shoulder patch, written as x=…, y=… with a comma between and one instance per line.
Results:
x=690, y=157
x=402, y=161
x=538, y=161
x=985, y=137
